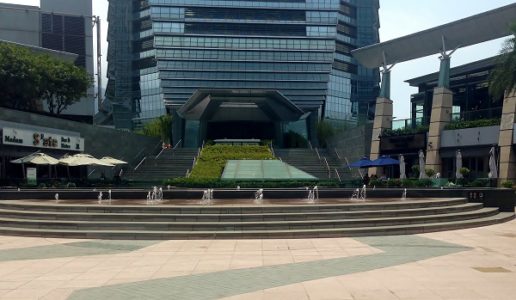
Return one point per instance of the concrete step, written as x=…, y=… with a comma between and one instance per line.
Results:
x=243, y=226
x=299, y=233
x=222, y=217
x=51, y=206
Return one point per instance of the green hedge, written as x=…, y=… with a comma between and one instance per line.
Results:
x=472, y=124
x=404, y=131
x=213, y=159
x=405, y=183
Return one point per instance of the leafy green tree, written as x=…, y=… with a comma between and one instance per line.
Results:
x=29, y=79
x=160, y=127
x=503, y=77
x=20, y=80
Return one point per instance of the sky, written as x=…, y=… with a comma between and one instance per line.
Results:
x=397, y=18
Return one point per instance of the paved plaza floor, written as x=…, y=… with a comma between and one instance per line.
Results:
x=475, y=263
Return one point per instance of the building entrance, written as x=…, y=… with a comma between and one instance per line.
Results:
x=240, y=130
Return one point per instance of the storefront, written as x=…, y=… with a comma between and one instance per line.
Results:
x=19, y=140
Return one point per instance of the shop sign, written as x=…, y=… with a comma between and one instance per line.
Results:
x=40, y=139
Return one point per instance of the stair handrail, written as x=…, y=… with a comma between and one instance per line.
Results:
x=272, y=150
x=337, y=152
x=177, y=144
x=157, y=156
x=338, y=175
x=141, y=162
x=327, y=167
x=310, y=144
x=187, y=173
x=318, y=155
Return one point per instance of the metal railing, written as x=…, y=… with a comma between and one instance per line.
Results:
x=157, y=156
x=327, y=167
x=407, y=123
x=177, y=144
x=141, y=162
x=337, y=152
x=338, y=175
x=317, y=152
x=489, y=113
x=310, y=145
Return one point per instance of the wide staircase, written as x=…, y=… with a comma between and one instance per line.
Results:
x=321, y=163
x=131, y=221
x=305, y=159
x=170, y=163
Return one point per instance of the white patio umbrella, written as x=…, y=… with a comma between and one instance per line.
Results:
x=113, y=161
x=458, y=165
x=402, y=167
x=83, y=160
x=493, y=169
x=422, y=174
x=37, y=158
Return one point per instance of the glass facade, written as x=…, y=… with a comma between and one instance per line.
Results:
x=171, y=48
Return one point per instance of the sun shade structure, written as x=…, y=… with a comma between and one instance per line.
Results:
x=113, y=161
x=469, y=31
x=384, y=161
x=36, y=159
x=83, y=160
x=364, y=162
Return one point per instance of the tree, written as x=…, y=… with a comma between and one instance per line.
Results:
x=20, y=80
x=160, y=127
x=503, y=77
x=28, y=79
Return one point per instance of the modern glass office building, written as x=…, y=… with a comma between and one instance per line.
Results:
x=165, y=54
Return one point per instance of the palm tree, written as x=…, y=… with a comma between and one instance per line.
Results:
x=503, y=77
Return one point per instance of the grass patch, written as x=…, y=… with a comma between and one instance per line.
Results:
x=213, y=159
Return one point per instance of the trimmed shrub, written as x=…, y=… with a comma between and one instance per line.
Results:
x=507, y=184
x=472, y=124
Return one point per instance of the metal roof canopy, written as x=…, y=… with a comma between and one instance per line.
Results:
x=239, y=104
x=469, y=31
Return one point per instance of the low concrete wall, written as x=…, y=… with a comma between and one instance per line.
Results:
x=99, y=141
x=503, y=199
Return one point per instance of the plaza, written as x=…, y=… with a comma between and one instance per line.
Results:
x=464, y=264
x=249, y=151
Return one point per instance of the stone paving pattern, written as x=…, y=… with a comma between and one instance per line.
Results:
x=475, y=263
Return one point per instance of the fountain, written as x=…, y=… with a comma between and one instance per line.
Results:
x=258, y=196
x=313, y=194
x=363, y=192
x=155, y=195
x=359, y=194
x=56, y=196
x=160, y=194
x=207, y=196
x=355, y=195
x=148, y=198
x=100, y=197
x=404, y=195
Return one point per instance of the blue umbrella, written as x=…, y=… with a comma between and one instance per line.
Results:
x=364, y=162
x=384, y=161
